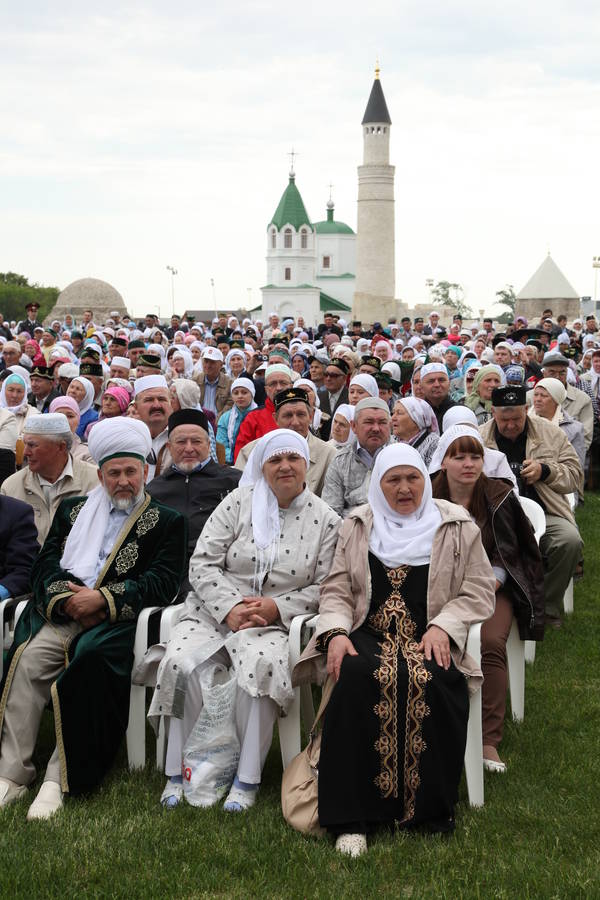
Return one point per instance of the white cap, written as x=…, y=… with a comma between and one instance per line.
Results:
x=122, y=361
x=147, y=383
x=212, y=353
x=49, y=423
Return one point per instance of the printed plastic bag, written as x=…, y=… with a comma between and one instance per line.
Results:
x=212, y=751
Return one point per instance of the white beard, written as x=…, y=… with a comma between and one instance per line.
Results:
x=126, y=504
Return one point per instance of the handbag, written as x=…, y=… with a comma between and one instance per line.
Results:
x=299, y=785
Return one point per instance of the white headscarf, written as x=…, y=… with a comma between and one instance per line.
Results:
x=398, y=539
x=188, y=362
x=557, y=391
x=449, y=436
x=347, y=411
x=317, y=414
x=421, y=413
x=119, y=436
x=367, y=382
x=234, y=412
x=87, y=401
x=265, y=508
x=21, y=407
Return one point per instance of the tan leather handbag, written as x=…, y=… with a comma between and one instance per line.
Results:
x=299, y=789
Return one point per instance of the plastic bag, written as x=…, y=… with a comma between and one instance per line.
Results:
x=212, y=751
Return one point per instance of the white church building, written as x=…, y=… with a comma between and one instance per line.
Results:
x=310, y=265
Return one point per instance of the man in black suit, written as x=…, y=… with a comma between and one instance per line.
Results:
x=30, y=323
x=334, y=392
x=42, y=391
x=18, y=546
x=194, y=485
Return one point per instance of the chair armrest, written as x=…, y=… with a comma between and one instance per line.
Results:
x=473, y=647
x=141, y=633
x=295, y=636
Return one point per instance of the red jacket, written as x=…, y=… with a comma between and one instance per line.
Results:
x=256, y=423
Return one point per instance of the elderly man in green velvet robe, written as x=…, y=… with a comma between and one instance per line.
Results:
x=106, y=557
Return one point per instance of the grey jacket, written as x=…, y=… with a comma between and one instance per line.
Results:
x=347, y=481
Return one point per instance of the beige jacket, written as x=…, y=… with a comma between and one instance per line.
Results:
x=546, y=443
x=460, y=591
x=579, y=406
x=24, y=485
x=223, y=399
x=321, y=454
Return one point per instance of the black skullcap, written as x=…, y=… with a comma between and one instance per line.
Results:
x=290, y=395
x=91, y=369
x=42, y=372
x=509, y=396
x=340, y=364
x=76, y=334
x=119, y=341
x=149, y=360
x=136, y=345
x=371, y=361
x=187, y=417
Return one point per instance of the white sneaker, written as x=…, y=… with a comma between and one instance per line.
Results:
x=351, y=844
x=239, y=800
x=494, y=765
x=10, y=791
x=48, y=802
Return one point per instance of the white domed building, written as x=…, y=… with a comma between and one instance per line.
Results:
x=88, y=293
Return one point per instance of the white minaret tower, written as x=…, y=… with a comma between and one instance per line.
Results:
x=374, y=297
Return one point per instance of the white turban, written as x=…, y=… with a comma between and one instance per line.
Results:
x=265, y=507
x=109, y=438
x=148, y=383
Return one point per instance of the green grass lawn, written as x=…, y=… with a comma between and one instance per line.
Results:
x=538, y=834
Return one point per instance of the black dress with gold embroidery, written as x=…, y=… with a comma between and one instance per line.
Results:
x=395, y=727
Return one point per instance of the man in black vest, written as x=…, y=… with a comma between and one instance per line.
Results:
x=334, y=392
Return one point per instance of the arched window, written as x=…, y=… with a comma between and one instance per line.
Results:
x=287, y=238
x=304, y=239
x=273, y=239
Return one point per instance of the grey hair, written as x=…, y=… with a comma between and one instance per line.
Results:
x=66, y=436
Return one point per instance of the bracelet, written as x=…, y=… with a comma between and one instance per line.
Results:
x=323, y=640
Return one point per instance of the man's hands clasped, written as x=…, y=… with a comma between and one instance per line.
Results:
x=86, y=606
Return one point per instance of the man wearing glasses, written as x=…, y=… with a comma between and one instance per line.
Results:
x=333, y=393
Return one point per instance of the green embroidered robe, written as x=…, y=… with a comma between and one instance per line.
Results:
x=90, y=697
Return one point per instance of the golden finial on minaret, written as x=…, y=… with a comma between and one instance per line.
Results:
x=377, y=70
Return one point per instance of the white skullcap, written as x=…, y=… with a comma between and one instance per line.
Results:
x=68, y=370
x=244, y=383
x=122, y=361
x=49, y=423
x=278, y=367
x=119, y=436
x=148, y=383
x=431, y=369
x=371, y=403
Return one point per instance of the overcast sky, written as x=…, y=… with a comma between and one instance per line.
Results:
x=145, y=135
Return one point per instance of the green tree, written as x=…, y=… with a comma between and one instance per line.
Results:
x=508, y=298
x=450, y=293
x=16, y=293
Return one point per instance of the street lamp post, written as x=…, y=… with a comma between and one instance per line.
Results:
x=173, y=272
x=595, y=266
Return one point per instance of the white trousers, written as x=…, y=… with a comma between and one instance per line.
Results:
x=255, y=718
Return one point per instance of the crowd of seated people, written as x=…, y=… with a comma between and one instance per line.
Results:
x=249, y=472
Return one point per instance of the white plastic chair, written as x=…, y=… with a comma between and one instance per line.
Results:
x=535, y=514
x=568, y=597
x=11, y=608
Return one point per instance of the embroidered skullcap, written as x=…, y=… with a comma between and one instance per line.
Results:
x=68, y=370
x=370, y=403
x=432, y=368
x=290, y=395
x=149, y=383
x=50, y=423
x=117, y=437
x=278, y=368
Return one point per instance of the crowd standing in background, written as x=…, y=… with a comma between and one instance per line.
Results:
x=252, y=471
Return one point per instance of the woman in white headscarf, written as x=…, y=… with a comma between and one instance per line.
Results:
x=410, y=576
x=414, y=423
x=13, y=397
x=259, y=562
x=341, y=427
x=548, y=396
x=361, y=386
x=318, y=417
x=242, y=392
x=82, y=390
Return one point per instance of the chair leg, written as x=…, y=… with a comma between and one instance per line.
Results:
x=474, y=752
x=289, y=731
x=306, y=704
x=530, y=652
x=136, y=728
x=568, y=599
x=515, y=659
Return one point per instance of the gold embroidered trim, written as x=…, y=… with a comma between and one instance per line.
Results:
x=116, y=587
x=56, y=599
x=394, y=621
x=58, y=586
x=60, y=744
x=127, y=526
x=75, y=511
x=147, y=522
x=9, y=677
x=126, y=557
x=126, y=613
x=112, y=609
